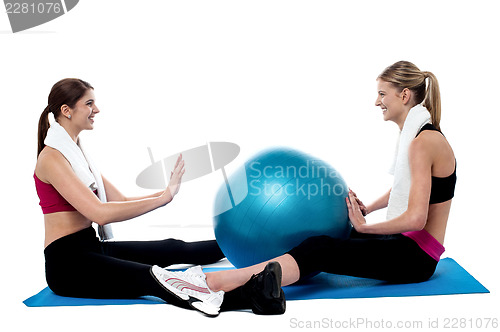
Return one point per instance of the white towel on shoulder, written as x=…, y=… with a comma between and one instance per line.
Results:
x=59, y=139
x=417, y=117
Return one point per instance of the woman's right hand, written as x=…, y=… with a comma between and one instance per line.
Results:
x=362, y=207
x=175, y=179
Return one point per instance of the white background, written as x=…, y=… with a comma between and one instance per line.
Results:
x=172, y=75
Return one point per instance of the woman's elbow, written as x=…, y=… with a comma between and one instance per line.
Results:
x=99, y=215
x=417, y=221
x=101, y=221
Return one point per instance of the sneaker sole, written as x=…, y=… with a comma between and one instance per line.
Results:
x=207, y=309
x=194, y=303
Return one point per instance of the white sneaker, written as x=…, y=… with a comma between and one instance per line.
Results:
x=191, y=286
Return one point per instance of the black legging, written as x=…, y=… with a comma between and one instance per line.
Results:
x=79, y=265
x=394, y=258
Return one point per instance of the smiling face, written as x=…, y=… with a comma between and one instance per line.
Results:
x=394, y=103
x=82, y=114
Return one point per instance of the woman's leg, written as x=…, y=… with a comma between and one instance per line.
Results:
x=165, y=252
x=231, y=279
x=94, y=275
x=392, y=258
x=76, y=266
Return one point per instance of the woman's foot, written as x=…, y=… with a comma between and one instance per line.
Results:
x=190, y=286
x=264, y=291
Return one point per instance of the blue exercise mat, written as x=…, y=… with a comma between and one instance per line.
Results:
x=449, y=278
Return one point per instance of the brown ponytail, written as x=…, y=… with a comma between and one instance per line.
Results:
x=404, y=74
x=43, y=127
x=65, y=92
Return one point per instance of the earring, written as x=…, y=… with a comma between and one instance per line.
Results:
x=69, y=116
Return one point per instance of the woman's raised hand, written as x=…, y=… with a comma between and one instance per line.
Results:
x=176, y=178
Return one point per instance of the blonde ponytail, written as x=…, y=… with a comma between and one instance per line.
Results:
x=432, y=99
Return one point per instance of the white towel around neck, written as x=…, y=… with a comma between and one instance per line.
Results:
x=86, y=170
x=417, y=117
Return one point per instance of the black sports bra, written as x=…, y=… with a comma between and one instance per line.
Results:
x=442, y=189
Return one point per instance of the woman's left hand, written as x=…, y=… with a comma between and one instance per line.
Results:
x=176, y=177
x=355, y=214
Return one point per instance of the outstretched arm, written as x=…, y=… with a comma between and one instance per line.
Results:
x=379, y=203
x=114, y=195
x=59, y=173
x=415, y=217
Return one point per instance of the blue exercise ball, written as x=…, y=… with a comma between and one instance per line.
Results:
x=290, y=196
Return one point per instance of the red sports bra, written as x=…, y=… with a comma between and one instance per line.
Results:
x=50, y=199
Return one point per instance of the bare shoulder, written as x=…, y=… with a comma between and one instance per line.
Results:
x=48, y=161
x=432, y=141
x=422, y=146
x=433, y=146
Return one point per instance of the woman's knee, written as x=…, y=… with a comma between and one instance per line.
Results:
x=310, y=254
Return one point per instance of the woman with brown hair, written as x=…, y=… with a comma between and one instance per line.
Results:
x=73, y=196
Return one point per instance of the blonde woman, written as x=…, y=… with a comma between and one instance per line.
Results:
x=404, y=248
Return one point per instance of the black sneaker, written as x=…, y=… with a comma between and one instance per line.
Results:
x=264, y=289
